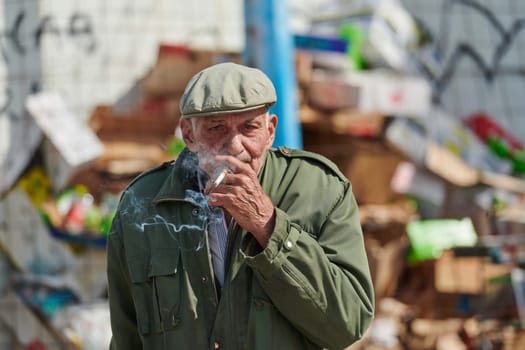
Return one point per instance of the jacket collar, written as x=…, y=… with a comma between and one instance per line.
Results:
x=184, y=175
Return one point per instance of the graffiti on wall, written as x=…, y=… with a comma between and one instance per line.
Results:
x=489, y=69
x=23, y=38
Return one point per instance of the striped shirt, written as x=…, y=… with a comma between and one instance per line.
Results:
x=217, y=238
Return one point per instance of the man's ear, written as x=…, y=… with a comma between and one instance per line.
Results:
x=272, y=125
x=186, y=129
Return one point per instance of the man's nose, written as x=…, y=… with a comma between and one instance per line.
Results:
x=234, y=144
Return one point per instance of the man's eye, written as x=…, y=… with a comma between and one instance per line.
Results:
x=216, y=128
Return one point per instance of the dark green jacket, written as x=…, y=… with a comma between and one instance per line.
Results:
x=310, y=288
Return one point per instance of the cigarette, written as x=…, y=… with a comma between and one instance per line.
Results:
x=220, y=177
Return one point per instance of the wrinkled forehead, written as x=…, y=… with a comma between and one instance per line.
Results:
x=232, y=118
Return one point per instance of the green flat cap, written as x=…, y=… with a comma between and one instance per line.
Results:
x=226, y=88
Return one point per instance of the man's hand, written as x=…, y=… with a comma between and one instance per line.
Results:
x=243, y=198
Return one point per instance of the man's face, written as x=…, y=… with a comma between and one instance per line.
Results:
x=245, y=136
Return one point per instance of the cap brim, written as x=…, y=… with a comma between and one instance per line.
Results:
x=227, y=111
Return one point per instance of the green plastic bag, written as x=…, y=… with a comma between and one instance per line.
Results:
x=428, y=238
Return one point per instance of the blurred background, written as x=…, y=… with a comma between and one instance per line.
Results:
x=419, y=102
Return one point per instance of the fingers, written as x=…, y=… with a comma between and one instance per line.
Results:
x=232, y=190
x=231, y=184
x=231, y=167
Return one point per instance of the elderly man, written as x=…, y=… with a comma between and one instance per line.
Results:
x=237, y=245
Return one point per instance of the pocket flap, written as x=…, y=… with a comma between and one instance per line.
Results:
x=163, y=262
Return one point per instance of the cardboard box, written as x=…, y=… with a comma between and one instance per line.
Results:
x=356, y=123
x=133, y=142
x=136, y=126
x=303, y=62
x=370, y=167
x=176, y=65
x=368, y=163
x=391, y=94
x=386, y=265
x=332, y=91
x=72, y=144
x=468, y=274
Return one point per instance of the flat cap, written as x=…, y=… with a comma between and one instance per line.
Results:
x=226, y=88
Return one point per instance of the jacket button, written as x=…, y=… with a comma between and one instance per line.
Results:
x=288, y=245
x=204, y=279
x=195, y=212
x=216, y=345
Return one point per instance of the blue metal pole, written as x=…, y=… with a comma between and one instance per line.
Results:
x=270, y=47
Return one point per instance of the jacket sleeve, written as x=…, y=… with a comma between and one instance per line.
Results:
x=122, y=311
x=320, y=281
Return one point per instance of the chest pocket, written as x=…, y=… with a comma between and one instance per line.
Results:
x=156, y=285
